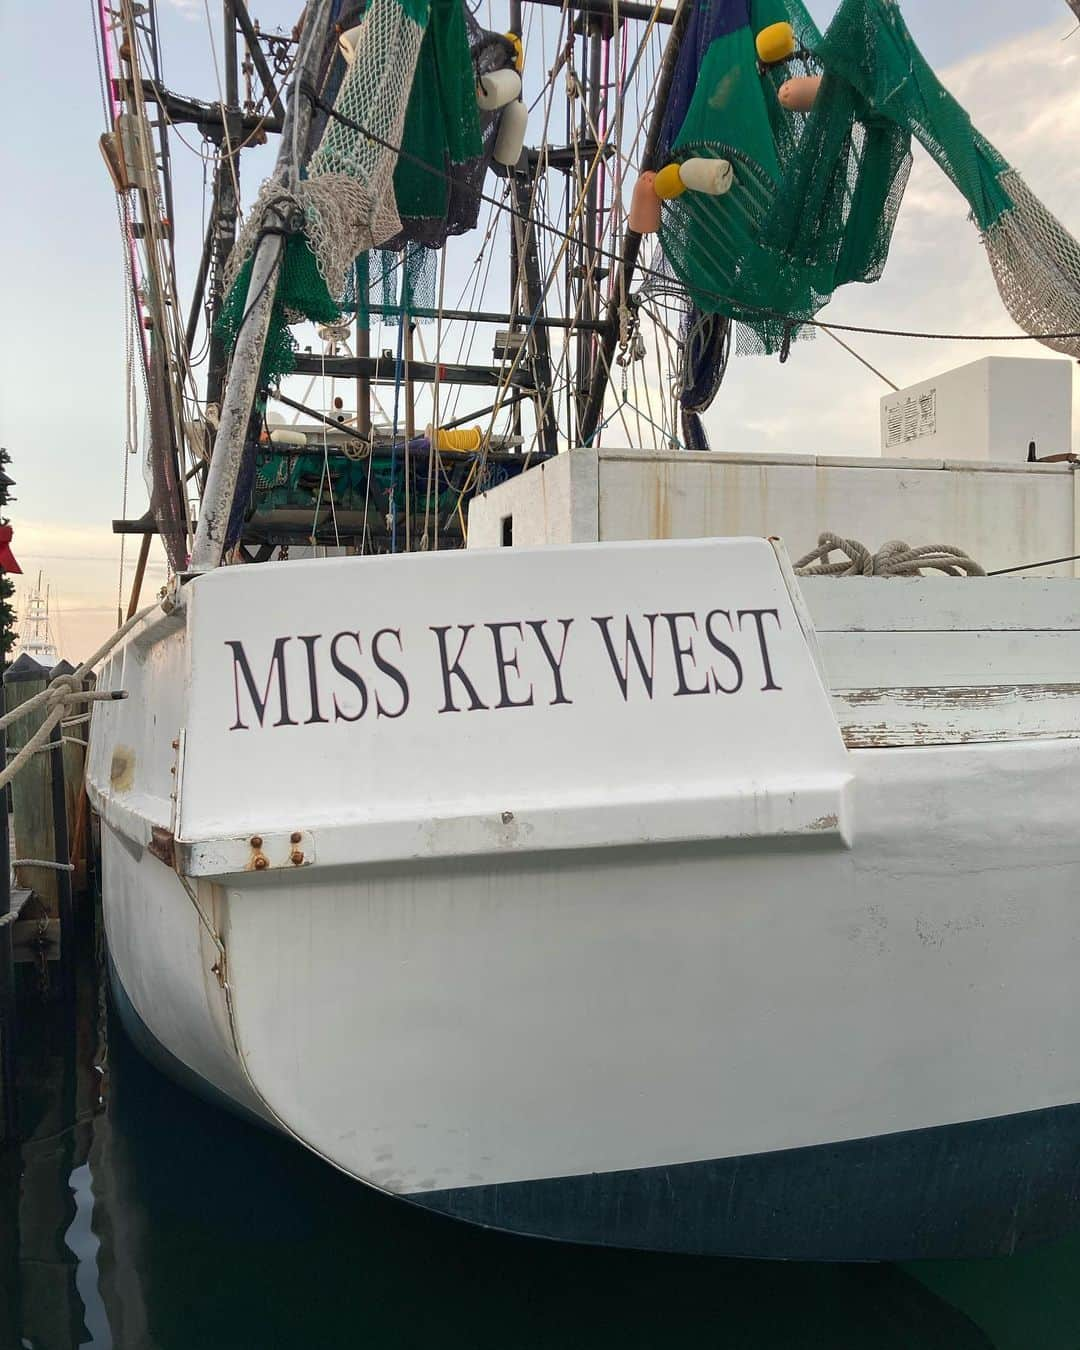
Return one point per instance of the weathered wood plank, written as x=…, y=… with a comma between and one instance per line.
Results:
x=31, y=793
x=920, y=715
x=945, y=604
x=948, y=660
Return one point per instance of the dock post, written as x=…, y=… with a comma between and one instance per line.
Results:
x=61, y=857
x=9, y=1114
x=30, y=789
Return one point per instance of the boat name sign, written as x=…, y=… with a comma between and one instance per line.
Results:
x=509, y=663
x=492, y=683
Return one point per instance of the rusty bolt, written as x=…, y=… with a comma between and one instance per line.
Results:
x=261, y=864
x=173, y=769
x=507, y=817
x=256, y=841
x=295, y=837
x=176, y=743
x=296, y=857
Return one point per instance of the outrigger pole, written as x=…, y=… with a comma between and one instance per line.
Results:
x=247, y=357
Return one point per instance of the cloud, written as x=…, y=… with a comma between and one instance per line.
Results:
x=191, y=10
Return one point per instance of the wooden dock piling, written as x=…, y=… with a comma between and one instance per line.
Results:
x=9, y=1115
x=45, y=801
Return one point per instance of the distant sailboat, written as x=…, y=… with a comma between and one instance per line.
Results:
x=35, y=633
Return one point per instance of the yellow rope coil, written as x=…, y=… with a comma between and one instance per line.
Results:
x=457, y=438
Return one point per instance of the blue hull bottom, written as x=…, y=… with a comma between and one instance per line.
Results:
x=979, y=1189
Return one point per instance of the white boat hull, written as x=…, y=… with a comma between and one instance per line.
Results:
x=840, y=1022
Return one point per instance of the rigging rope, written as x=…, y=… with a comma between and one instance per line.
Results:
x=893, y=559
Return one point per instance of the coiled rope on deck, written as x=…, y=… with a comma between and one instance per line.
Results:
x=893, y=559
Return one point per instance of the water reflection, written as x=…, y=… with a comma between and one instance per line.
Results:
x=135, y=1216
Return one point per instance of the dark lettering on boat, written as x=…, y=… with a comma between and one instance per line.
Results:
x=759, y=615
x=388, y=668
x=679, y=651
x=537, y=625
x=504, y=662
x=511, y=673
x=349, y=673
x=452, y=669
x=313, y=679
x=241, y=666
x=630, y=643
x=725, y=651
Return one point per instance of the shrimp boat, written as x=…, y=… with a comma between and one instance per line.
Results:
x=496, y=809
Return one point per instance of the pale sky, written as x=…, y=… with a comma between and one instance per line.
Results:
x=1015, y=67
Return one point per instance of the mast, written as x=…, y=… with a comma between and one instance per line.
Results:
x=226, y=206
x=247, y=357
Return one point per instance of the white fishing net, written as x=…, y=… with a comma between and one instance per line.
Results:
x=1036, y=264
x=347, y=197
x=349, y=191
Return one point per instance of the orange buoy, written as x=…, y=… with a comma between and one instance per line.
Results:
x=645, y=205
x=798, y=94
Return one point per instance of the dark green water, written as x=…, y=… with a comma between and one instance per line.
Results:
x=135, y=1216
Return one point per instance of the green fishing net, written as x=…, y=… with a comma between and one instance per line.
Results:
x=814, y=197
x=816, y=194
x=301, y=294
x=387, y=284
x=442, y=121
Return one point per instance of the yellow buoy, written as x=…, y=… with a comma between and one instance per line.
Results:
x=668, y=184
x=456, y=438
x=776, y=43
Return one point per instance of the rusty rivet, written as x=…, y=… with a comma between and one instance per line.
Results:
x=256, y=841
x=173, y=769
x=295, y=837
x=507, y=817
x=296, y=857
x=261, y=864
x=176, y=744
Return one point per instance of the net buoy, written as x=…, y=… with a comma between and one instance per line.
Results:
x=711, y=176
x=645, y=205
x=455, y=438
x=668, y=184
x=512, y=127
x=498, y=88
x=776, y=43
x=287, y=436
x=798, y=94
x=348, y=42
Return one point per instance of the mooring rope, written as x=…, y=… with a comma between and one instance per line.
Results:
x=893, y=559
x=61, y=694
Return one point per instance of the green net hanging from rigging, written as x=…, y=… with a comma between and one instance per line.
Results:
x=399, y=165
x=815, y=193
